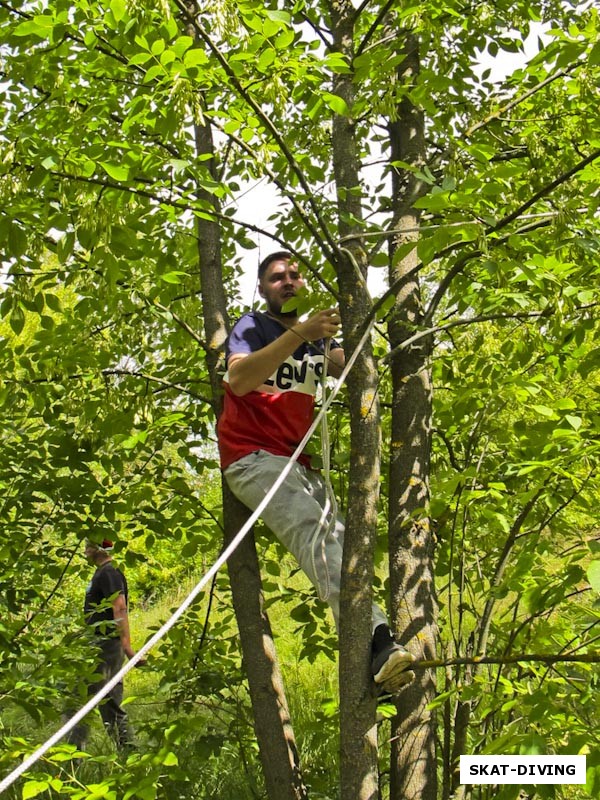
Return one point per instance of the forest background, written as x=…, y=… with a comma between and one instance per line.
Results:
x=464, y=449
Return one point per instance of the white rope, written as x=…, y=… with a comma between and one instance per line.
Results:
x=94, y=701
x=330, y=509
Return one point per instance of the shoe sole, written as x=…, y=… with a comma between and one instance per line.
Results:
x=399, y=681
x=394, y=674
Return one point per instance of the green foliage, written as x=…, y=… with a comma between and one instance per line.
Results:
x=108, y=420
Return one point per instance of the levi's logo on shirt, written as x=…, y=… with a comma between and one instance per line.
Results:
x=298, y=376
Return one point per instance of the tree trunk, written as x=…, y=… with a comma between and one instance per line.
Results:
x=274, y=732
x=414, y=608
x=358, y=740
x=277, y=746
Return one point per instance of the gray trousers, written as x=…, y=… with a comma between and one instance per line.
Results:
x=300, y=516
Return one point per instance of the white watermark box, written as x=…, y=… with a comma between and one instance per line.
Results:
x=522, y=769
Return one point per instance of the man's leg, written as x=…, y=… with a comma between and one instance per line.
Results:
x=299, y=517
x=78, y=735
x=111, y=711
x=389, y=660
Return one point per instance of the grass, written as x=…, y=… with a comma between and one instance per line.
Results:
x=311, y=693
x=201, y=745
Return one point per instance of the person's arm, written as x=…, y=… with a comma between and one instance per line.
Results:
x=248, y=371
x=122, y=622
x=336, y=363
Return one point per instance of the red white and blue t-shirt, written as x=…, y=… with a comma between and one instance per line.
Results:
x=276, y=418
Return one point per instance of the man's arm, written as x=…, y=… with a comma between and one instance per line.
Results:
x=122, y=622
x=336, y=363
x=249, y=371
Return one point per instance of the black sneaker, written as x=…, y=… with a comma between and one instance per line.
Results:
x=389, y=663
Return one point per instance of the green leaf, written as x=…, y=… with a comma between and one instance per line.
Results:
x=88, y=168
x=566, y=403
x=132, y=441
x=593, y=575
x=176, y=276
x=279, y=16
x=266, y=59
x=284, y=39
x=574, y=422
x=17, y=240
x=170, y=759
x=195, y=57
x=314, y=107
x=336, y=104
x=545, y=411
x=154, y=72
x=181, y=44
x=426, y=249
x=140, y=58
x=118, y=8
x=433, y=202
x=115, y=171
x=386, y=710
x=179, y=165
x=17, y=319
x=33, y=789
x=41, y=25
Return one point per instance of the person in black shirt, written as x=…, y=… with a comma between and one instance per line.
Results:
x=105, y=610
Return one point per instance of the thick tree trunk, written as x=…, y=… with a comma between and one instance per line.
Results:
x=358, y=762
x=414, y=608
x=277, y=747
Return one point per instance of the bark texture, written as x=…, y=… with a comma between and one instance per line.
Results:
x=358, y=758
x=414, y=608
x=274, y=732
x=277, y=746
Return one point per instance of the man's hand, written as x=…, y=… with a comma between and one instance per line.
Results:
x=322, y=325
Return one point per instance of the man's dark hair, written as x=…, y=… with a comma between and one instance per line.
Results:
x=278, y=256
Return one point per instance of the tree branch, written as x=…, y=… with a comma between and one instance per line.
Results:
x=181, y=322
x=155, y=379
x=45, y=602
x=544, y=658
x=107, y=373
x=462, y=322
x=458, y=267
x=13, y=10
x=317, y=29
x=268, y=123
x=545, y=190
x=378, y=19
x=298, y=207
x=184, y=205
x=509, y=106
x=483, y=626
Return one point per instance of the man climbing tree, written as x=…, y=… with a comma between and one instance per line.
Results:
x=274, y=365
